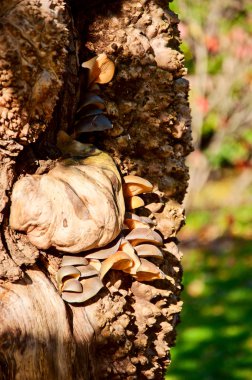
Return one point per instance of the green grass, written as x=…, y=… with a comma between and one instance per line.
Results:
x=214, y=338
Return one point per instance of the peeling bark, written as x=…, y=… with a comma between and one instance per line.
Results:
x=127, y=330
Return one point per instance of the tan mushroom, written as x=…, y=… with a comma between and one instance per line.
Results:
x=149, y=272
x=65, y=273
x=127, y=247
x=89, y=64
x=87, y=271
x=104, y=253
x=119, y=260
x=134, y=202
x=72, y=285
x=73, y=260
x=101, y=69
x=131, y=215
x=92, y=123
x=131, y=224
x=144, y=235
x=134, y=185
x=107, y=69
x=95, y=264
x=149, y=250
x=91, y=286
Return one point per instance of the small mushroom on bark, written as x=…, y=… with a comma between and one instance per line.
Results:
x=149, y=250
x=134, y=185
x=131, y=224
x=93, y=100
x=91, y=286
x=101, y=69
x=119, y=260
x=90, y=116
x=104, y=253
x=73, y=260
x=66, y=272
x=144, y=235
x=72, y=285
x=92, y=123
x=149, y=272
x=155, y=207
x=95, y=264
x=87, y=271
x=147, y=220
x=134, y=202
x=127, y=247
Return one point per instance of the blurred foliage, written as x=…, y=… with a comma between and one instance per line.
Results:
x=217, y=45
x=214, y=339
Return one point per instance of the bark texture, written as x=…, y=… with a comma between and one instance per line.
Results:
x=126, y=331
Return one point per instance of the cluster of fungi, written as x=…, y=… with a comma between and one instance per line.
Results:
x=90, y=211
x=135, y=251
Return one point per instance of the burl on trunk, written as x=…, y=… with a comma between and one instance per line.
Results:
x=125, y=328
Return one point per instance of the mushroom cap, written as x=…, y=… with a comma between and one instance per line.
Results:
x=131, y=224
x=101, y=69
x=144, y=235
x=134, y=202
x=104, y=253
x=149, y=250
x=119, y=260
x=91, y=286
x=131, y=215
x=65, y=272
x=134, y=185
x=87, y=271
x=91, y=111
x=91, y=99
x=93, y=123
x=72, y=285
x=73, y=260
x=150, y=221
x=137, y=180
x=127, y=247
x=148, y=272
x=89, y=64
x=107, y=69
x=95, y=264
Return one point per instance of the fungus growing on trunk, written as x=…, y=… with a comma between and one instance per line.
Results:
x=78, y=207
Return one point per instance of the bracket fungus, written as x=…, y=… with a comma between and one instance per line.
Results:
x=130, y=252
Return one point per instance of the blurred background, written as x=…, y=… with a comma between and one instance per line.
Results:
x=214, y=338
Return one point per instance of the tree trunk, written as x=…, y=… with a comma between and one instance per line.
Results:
x=125, y=331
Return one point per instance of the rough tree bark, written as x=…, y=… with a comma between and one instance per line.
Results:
x=127, y=330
